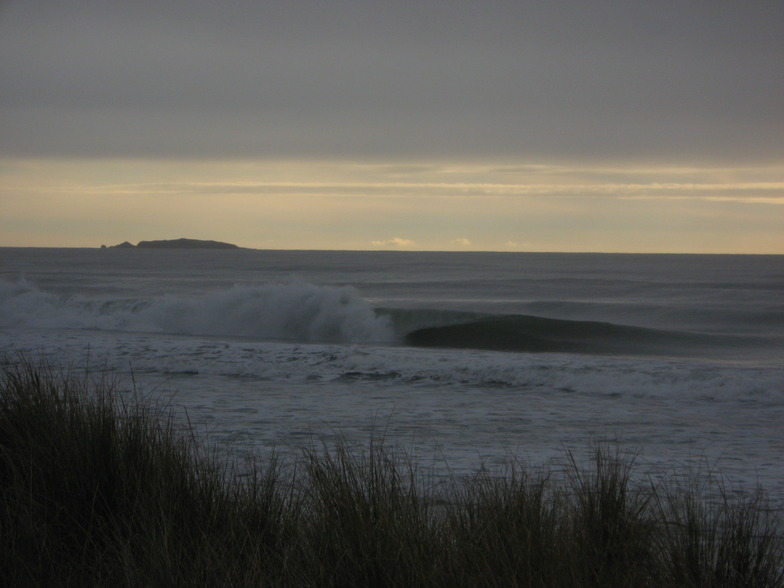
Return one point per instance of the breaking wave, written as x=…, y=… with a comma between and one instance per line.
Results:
x=532, y=334
x=300, y=312
x=529, y=333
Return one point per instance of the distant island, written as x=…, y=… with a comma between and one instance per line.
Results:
x=174, y=244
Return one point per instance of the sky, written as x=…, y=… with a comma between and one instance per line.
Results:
x=502, y=125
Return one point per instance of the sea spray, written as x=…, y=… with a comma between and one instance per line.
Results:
x=296, y=312
x=300, y=312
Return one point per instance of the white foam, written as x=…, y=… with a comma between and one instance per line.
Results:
x=394, y=366
x=472, y=405
x=299, y=312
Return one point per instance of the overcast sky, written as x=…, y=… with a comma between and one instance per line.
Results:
x=558, y=125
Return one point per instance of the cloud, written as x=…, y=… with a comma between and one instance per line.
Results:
x=462, y=242
x=740, y=191
x=393, y=242
x=567, y=80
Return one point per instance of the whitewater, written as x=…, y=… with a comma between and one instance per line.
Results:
x=462, y=359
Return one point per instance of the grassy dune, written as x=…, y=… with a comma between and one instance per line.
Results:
x=99, y=489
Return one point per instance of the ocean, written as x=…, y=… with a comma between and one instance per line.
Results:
x=462, y=360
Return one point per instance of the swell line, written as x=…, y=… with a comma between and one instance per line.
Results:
x=533, y=334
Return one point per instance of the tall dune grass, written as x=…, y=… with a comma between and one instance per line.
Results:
x=100, y=488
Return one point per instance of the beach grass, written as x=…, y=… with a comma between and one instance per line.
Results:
x=103, y=488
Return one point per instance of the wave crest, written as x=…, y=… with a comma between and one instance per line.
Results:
x=301, y=312
x=298, y=312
